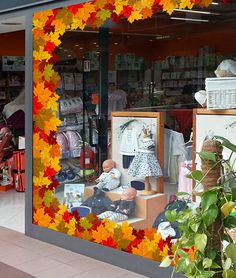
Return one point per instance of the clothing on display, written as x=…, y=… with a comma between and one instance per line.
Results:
x=185, y=184
x=128, y=145
x=17, y=104
x=145, y=163
x=107, y=180
x=98, y=202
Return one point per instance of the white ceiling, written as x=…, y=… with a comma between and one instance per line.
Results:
x=12, y=24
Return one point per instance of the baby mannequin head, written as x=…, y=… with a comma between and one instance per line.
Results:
x=129, y=194
x=4, y=131
x=108, y=165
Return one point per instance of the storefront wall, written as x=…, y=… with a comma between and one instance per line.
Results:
x=133, y=263
x=116, y=257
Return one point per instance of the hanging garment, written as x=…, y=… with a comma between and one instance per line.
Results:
x=128, y=145
x=145, y=163
x=185, y=184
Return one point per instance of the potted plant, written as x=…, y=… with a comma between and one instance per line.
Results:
x=205, y=248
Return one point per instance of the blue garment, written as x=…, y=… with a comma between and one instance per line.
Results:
x=127, y=159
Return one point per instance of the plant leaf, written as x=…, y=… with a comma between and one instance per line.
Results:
x=207, y=156
x=195, y=175
x=230, y=273
x=200, y=241
x=231, y=252
x=227, y=207
x=209, y=216
x=230, y=222
x=166, y=262
x=227, y=264
x=226, y=143
x=171, y=215
x=207, y=262
x=208, y=198
x=195, y=226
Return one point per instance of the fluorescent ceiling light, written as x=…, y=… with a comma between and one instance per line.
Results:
x=195, y=12
x=214, y=3
x=189, y=19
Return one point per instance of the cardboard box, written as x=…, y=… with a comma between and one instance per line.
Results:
x=21, y=142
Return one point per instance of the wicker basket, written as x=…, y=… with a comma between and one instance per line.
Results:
x=221, y=93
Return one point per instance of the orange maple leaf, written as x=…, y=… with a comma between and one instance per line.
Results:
x=42, y=219
x=100, y=234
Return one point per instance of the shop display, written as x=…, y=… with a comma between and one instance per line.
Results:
x=110, y=178
x=98, y=202
x=123, y=208
x=145, y=163
x=19, y=170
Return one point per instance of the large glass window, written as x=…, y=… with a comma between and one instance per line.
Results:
x=130, y=95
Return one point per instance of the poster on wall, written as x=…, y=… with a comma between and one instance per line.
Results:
x=13, y=63
x=73, y=194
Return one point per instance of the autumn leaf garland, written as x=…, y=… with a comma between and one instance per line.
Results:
x=49, y=26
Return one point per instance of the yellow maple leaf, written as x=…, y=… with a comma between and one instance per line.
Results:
x=100, y=234
x=157, y=237
x=55, y=163
x=48, y=197
x=37, y=75
x=135, y=15
x=104, y=14
x=205, y=3
x=55, y=151
x=98, y=22
x=71, y=227
x=42, y=219
x=147, y=3
x=41, y=54
x=169, y=6
x=164, y=252
x=54, y=38
x=62, y=210
x=40, y=18
x=110, y=226
x=119, y=4
x=41, y=181
x=52, y=124
x=77, y=23
x=127, y=231
x=186, y=4
x=48, y=72
x=60, y=25
x=52, y=103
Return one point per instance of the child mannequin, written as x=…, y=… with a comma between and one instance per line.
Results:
x=123, y=208
x=110, y=178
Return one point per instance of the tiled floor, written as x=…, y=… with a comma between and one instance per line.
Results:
x=33, y=257
x=44, y=260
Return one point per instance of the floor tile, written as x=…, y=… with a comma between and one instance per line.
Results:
x=61, y=271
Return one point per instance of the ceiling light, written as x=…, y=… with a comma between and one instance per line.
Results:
x=11, y=23
x=215, y=3
x=189, y=19
x=69, y=55
x=76, y=45
x=81, y=48
x=194, y=11
x=115, y=43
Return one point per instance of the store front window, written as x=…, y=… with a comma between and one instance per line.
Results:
x=101, y=152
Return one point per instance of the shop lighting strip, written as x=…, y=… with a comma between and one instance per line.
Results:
x=196, y=12
x=189, y=19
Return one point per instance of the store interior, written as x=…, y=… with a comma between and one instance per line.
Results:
x=154, y=65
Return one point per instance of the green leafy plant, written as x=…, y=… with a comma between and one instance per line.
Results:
x=204, y=230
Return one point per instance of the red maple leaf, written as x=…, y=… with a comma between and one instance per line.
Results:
x=132, y=244
x=109, y=242
x=115, y=18
x=49, y=172
x=49, y=46
x=49, y=211
x=36, y=105
x=74, y=9
x=67, y=216
x=54, y=58
x=127, y=10
x=139, y=233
